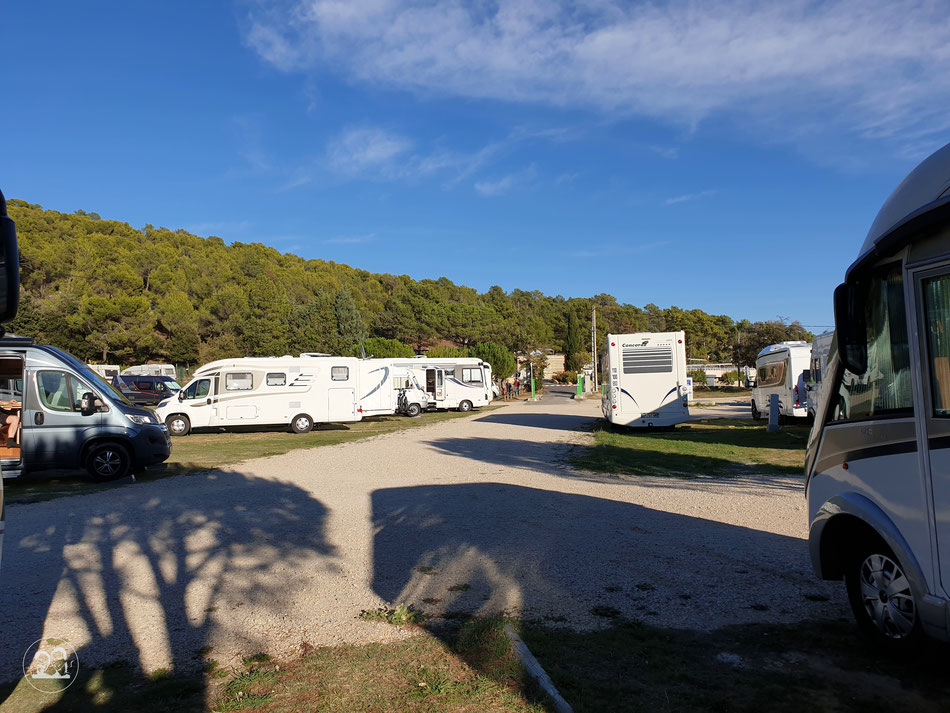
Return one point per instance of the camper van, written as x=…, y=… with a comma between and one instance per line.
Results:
x=382, y=384
x=820, y=349
x=782, y=369
x=461, y=383
x=266, y=391
x=645, y=375
x=878, y=461
x=56, y=413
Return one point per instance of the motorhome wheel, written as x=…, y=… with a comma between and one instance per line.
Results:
x=302, y=423
x=465, y=406
x=414, y=410
x=756, y=415
x=881, y=597
x=107, y=461
x=178, y=425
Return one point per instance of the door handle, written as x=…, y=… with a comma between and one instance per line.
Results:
x=38, y=418
x=209, y=402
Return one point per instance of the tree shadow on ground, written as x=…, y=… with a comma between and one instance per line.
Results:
x=485, y=548
x=654, y=469
x=145, y=575
x=555, y=421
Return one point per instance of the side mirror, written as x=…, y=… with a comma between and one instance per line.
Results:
x=9, y=265
x=181, y=395
x=851, y=328
x=87, y=406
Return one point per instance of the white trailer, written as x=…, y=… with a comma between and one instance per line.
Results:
x=266, y=391
x=461, y=383
x=780, y=369
x=645, y=375
x=820, y=348
x=381, y=384
x=150, y=370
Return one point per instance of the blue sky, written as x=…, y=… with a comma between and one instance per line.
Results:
x=722, y=155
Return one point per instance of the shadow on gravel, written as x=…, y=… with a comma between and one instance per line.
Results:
x=153, y=564
x=483, y=548
x=555, y=421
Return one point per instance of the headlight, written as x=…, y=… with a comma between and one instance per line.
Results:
x=140, y=420
x=163, y=404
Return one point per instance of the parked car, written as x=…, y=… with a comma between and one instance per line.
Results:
x=146, y=390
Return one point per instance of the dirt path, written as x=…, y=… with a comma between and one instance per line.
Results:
x=477, y=514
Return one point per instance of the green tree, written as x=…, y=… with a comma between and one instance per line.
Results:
x=501, y=359
x=383, y=348
x=349, y=324
x=573, y=345
x=447, y=353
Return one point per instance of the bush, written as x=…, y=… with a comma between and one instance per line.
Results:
x=565, y=377
x=730, y=377
x=699, y=377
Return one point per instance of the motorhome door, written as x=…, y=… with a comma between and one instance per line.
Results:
x=11, y=414
x=933, y=303
x=198, y=402
x=435, y=383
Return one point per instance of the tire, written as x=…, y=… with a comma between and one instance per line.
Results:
x=413, y=410
x=465, y=406
x=881, y=598
x=301, y=423
x=107, y=461
x=756, y=414
x=178, y=424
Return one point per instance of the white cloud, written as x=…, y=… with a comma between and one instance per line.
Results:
x=361, y=150
x=878, y=68
x=504, y=184
x=689, y=197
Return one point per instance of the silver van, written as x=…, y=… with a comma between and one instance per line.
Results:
x=56, y=413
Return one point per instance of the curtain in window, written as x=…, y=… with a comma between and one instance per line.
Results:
x=937, y=308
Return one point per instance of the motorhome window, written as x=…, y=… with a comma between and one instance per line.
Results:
x=472, y=376
x=239, y=381
x=646, y=360
x=772, y=374
x=198, y=389
x=276, y=379
x=54, y=390
x=884, y=389
x=340, y=373
x=937, y=318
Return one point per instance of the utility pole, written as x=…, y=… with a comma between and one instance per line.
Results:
x=593, y=343
x=738, y=368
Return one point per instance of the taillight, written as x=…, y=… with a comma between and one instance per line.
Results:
x=797, y=404
x=614, y=406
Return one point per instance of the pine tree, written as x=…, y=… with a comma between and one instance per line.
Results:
x=349, y=323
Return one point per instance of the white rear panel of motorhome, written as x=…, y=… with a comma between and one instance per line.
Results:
x=646, y=379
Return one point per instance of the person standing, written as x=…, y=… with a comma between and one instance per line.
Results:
x=517, y=387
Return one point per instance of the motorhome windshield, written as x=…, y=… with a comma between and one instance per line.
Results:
x=89, y=375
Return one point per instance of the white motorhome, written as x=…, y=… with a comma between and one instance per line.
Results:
x=820, y=348
x=266, y=391
x=461, y=383
x=645, y=375
x=150, y=370
x=878, y=463
x=382, y=384
x=781, y=369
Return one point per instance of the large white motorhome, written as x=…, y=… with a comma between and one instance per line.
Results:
x=383, y=384
x=820, y=348
x=782, y=369
x=266, y=391
x=645, y=375
x=878, y=463
x=461, y=383
x=150, y=370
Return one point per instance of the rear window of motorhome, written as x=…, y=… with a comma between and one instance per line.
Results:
x=276, y=379
x=472, y=376
x=772, y=374
x=642, y=360
x=340, y=373
x=239, y=381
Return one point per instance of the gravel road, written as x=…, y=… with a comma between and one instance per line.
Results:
x=479, y=514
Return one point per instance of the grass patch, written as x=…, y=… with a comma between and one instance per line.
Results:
x=460, y=587
x=720, y=448
x=199, y=452
x=401, y=615
x=787, y=669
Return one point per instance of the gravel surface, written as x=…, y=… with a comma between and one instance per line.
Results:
x=478, y=514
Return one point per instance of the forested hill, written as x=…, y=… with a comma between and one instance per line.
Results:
x=106, y=291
